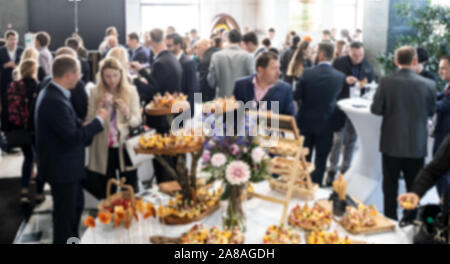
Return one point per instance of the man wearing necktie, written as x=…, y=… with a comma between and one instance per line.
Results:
x=442, y=128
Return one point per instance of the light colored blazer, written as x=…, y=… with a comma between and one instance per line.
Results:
x=98, y=151
x=226, y=67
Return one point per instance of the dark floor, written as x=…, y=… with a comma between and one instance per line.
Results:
x=12, y=212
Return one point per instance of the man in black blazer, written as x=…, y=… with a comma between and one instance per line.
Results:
x=405, y=100
x=9, y=59
x=204, y=53
x=189, y=80
x=60, y=143
x=317, y=93
x=85, y=67
x=356, y=68
x=135, y=50
x=165, y=76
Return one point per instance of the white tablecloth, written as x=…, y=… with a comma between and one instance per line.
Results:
x=364, y=176
x=260, y=215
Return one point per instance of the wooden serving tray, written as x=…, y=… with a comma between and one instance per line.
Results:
x=283, y=166
x=169, y=151
x=306, y=229
x=173, y=220
x=165, y=240
x=285, y=147
x=298, y=192
x=384, y=224
x=151, y=110
x=356, y=242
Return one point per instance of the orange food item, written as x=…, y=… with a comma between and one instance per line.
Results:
x=89, y=222
x=140, y=206
x=119, y=213
x=104, y=217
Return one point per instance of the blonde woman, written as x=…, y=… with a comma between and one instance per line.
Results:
x=107, y=155
x=300, y=60
x=140, y=83
x=121, y=55
x=22, y=95
x=30, y=53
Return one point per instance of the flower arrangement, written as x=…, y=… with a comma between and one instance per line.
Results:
x=236, y=161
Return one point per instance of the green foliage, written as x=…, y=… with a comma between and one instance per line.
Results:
x=432, y=26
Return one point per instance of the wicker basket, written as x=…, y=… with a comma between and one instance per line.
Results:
x=127, y=192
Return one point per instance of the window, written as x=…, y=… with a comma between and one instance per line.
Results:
x=184, y=15
x=347, y=14
x=441, y=2
x=315, y=15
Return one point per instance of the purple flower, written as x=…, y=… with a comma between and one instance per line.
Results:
x=234, y=149
x=206, y=156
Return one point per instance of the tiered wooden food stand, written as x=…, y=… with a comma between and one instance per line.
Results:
x=292, y=181
x=185, y=177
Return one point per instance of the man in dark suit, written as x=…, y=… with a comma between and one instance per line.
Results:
x=265, y=88
x=356, y=68
x=421, y=68
x=85, y=67
x=405, y=100
x=204, y=53
x=60, y=143
x=317, y=92
x=9, y=59
x=189, y=80
x=166, y=75
x=442, y=129
x=135, y=50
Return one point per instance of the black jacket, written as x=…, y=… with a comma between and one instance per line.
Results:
x=61, y=138
x=85, y=70
x=436, y=169
x=78, y=97
x=208, y=93
x=317, y=92
x=41, y=74
x=166, y=74
x=32, y=93
x=285, y=59
x=189, y=80
x=140, y=55
x=344, y=65
x=429, y=75
x=6, y=74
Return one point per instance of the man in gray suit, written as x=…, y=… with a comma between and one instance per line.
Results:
x=405, y=100
x=228, y=65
